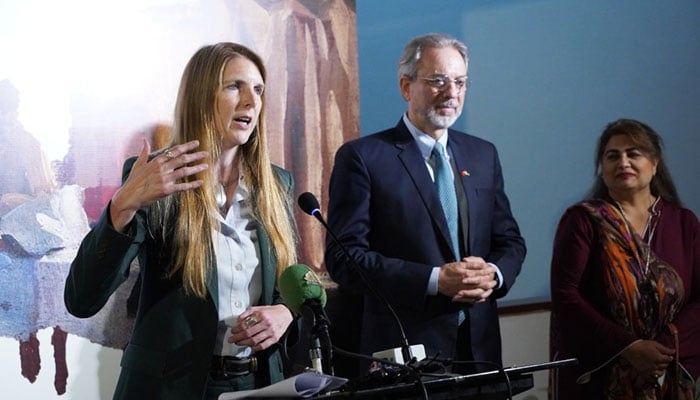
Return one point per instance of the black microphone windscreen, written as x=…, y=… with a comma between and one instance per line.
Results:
x=299, y=283
x=308, y=203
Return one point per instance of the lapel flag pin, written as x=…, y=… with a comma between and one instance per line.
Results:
x=464, y=173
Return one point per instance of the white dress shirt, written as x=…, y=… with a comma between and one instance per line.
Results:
x=238, y=268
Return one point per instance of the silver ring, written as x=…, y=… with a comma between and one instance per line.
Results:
x=250, y=321
x=169, y=155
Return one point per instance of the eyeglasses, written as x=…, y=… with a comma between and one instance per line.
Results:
x=441, y=82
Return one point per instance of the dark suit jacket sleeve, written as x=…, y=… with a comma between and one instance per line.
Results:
x=358, y=219
x=102, y=262
x=507, y=247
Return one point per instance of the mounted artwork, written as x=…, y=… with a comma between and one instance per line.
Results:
x=80, y=86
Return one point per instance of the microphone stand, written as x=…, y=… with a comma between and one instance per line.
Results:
x=321, y=349
x=315, y=354
x=309, y=204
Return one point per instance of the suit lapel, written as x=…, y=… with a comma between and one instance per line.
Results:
x=268, y=264
x=464, y=159
x=412, y=159
x=213, y=283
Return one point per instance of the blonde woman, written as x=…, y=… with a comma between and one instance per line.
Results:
x=210, y=220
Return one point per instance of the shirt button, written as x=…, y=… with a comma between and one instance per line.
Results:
x=237, y=304
x=239, y=267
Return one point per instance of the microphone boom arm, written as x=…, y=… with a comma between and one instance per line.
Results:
x=309, y=204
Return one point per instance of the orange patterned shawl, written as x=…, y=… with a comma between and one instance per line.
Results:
x=644, y=292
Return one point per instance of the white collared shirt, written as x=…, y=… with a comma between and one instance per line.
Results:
x=237, y=267
x=426, y=143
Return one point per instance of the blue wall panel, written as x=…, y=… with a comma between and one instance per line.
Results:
x=546, y=77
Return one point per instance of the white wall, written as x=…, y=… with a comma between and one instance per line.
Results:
x=526, y=341
x=93, y=369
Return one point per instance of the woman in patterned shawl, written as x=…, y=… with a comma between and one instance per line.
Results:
x=625, y=279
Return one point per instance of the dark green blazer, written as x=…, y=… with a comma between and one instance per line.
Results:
x=169, y=353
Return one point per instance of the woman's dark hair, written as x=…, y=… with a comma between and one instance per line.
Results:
x=649, y=142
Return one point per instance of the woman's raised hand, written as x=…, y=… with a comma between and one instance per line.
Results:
x=150, y=180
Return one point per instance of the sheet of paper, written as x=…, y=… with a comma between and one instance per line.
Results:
x=306, y=384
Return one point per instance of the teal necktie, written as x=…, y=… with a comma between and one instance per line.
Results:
x=446, y=191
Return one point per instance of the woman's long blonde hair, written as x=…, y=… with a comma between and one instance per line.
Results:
x=193, y=213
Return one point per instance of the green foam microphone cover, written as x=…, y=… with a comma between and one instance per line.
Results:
x=299, y=283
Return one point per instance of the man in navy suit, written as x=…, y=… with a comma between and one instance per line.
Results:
x=385, y=209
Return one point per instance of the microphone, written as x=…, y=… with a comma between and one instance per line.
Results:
x=299, y=284
x=309, y=204
x=302, y=290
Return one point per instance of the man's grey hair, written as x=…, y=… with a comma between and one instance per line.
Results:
x=408, y=63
